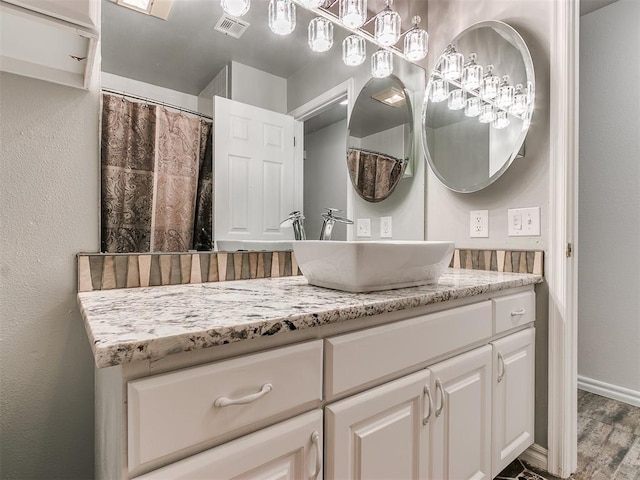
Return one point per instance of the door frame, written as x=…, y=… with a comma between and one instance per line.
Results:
x=562, y=260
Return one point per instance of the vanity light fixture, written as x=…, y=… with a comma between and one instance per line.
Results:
x=457, y=99
x=473, y=107
x=381, y=64
x=505, y=93
x=387, y=26
x=416, y=42
x=487, y=113
x=502, y=120
x=282, y=16
x=452, y=64
x=320, y=34
x=235, y=8
x=353, y=13
x=489, y=85
x=392, y=97
x=519, y=105
x=439, y=90
x=312, y=3
x=472, y=73
x=354, y=51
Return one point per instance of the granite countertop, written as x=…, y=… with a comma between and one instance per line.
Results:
x=128, y=325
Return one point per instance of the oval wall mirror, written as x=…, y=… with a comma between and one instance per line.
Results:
x=478, y=106
x=380, y=137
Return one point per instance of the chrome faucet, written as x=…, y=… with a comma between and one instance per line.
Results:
x=329, y=219
x=295, y=220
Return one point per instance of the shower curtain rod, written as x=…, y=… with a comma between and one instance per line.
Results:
x=155, y=102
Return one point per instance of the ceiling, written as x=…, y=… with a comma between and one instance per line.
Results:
x=588, y=6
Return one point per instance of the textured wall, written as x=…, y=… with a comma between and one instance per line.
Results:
x=609, y=221
x=49, y=202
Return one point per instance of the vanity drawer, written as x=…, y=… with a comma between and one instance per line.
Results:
x=178, y=410
x=512, y=311
x=361, y=359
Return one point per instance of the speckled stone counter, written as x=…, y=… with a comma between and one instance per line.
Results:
x=129, y=325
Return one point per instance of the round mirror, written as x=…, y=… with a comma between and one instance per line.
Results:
x=380, y=138
x=478, y=106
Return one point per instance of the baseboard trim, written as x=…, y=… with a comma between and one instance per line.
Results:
x=615, y=392
x=536, y=456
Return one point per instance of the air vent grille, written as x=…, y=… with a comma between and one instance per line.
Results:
x=234, y=27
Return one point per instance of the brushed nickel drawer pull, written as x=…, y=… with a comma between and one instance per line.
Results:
x=315, y=438
x=501, y=371
x=224, y=401
x=439, y=388
x=520, y=311
x=429, y=403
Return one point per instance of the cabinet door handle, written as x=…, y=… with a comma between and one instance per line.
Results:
x=428, y=403
x=501, y=367
x=224, y=401
x=315, y=439
x=520, y=311
x=441, y=390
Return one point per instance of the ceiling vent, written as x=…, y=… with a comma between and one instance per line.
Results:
x=232, y=26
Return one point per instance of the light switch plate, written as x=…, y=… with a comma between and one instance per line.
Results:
x=479, y=223
x=363, y=227
x=523, y=222
x=385, y=227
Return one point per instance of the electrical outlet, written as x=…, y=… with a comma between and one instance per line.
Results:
x=479, y=223
x=523, y=222
x=385, y=227
x=363, y=227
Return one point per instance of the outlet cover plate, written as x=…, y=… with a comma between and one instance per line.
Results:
x=363, y=227
x=385, y=227
x=479, y=224
x=523, y=222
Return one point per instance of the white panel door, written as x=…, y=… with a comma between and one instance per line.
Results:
x=255, y=172
x=461, y=426
x=289, y=450
x=381, y=433
x=513, y=397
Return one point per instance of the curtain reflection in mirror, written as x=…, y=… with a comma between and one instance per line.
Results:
x=374, y=175
x=156, y=179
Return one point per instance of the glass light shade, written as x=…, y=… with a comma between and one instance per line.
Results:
x=439, y=90
x=381, y=64
x=452, y=66
x=526, y=120
x=519, y=105
x=416, y=44
x=473, y=107
x=311, y=3
x=472, y=74
x=505, y=93
x=387, y=27
x=353, y=13
x=354, y=51
x=320, y=34
x=236, y=8
x=502, y=120
x=531, y=91
x=490, y=84
x=487, y=114
x=457, y=99
x=282, y=16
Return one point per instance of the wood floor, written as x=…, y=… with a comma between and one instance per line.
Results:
x=608, y=443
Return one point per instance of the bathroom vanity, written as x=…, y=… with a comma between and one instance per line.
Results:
x=275, y=378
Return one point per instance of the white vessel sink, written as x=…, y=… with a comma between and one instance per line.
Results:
x=253, y=245
x=369, y=266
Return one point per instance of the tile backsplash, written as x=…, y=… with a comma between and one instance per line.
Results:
x=98, y=271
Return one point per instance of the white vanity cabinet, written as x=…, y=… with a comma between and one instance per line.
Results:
x=51, y=40
x=432, y=393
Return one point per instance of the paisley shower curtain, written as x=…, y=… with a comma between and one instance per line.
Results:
x=156, y=179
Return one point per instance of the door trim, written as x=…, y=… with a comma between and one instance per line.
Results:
x=563, y=228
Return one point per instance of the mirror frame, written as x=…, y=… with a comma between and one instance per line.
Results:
x=512, y=36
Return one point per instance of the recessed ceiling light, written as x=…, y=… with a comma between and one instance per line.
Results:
x=155, y=8
x=142, y=5
x=391, y=96
x=345, y=102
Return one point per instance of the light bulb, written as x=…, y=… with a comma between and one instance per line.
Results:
x=354, y=51
x=439, y=90
x=452, y=66
x=382, y=64
x=320, y=34
x=487, y=114
x=457, y=99
x=416, y=42
x=473, y=107
x=501, y=121
x=519, y=105
x=387, y=26
x=236, y=8
x=311, y=3
x=282, y=16
x=505, y=93
x=471, y=74
x=353, y=13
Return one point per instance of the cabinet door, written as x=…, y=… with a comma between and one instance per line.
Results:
x=289, y=450
x=381, y=433
x=513, y=397
x=461, y=426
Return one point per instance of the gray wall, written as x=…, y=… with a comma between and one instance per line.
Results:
x=260, y=89
x=49, y=197
x=325, y=178
x=526, y=182
x=609, y=220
